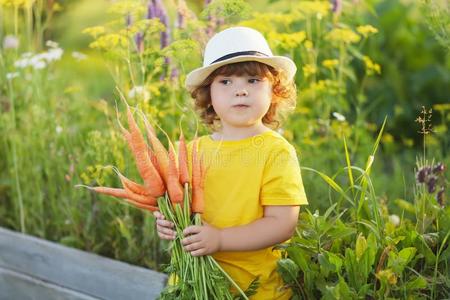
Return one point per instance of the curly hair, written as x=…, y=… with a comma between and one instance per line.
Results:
x=284, y=93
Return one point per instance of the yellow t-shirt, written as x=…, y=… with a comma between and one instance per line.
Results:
x=243, y=177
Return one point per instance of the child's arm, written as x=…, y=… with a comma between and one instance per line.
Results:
x=277, y=225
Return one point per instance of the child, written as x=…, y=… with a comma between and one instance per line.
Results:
x=253, y=186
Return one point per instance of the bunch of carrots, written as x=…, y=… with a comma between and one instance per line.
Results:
x=168, y=187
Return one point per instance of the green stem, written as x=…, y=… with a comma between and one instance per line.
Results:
x=15, y=163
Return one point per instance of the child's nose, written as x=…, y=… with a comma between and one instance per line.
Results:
x=241, y=92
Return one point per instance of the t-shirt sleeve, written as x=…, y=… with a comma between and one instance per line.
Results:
x=282, y=182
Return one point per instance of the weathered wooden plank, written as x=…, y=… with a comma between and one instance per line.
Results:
x=77, y=270
x=17, y=286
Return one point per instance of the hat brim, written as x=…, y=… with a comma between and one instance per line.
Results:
x=197, y=76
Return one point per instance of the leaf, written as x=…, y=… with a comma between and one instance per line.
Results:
x=372, y=248
x=251, y=290
x=407, y=254
x=124, y=230
x=403, y=204
x=351, y=268
x=288, y=270
x=417, y=283
x=361, y=246
x=335, y=260
x=341, y=230
x=71, y=241
x=329, y=210
x=297, y=255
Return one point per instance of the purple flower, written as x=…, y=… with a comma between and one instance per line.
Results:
x=174, y=74
x=431, y=184
x=139, y=40
x=164, y=40
x=151, y=10
x=439, y=168
x=422, y=174
x=220, y=22
x=128, y=20
x=337, y=6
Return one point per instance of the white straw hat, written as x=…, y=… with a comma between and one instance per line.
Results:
x=234, y=45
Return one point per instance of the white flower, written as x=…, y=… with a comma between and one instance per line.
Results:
x=38, y=64
x=12, y=75
x=78, y=55
x=394, y=219
x=22, y=63
x=338, y=116
x=10, y=42
x=139, y=91
x=59, y=129
x=40, y=60
x=52, y=54
x=51, y=44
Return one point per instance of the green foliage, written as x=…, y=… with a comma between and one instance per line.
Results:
x=374, y=231
x=365, y=257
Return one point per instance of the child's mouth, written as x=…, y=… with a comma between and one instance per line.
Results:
x=240, y=106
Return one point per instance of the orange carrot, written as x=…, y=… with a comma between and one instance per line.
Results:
x=149, y=174
x=158, y=149
x=132, y=186
x=183, y=160
x=154, y=160
x=197, y=181
x=174, y=187
x=122, y=193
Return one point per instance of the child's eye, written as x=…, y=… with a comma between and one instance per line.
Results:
x=225, y=81
x=254, y=80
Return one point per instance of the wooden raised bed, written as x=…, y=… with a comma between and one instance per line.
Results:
x=33, y=268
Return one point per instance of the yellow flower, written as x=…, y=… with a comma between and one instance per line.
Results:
x=319, y=85
x=17, y=3
x=330, y=63
x=264, y=22
x=309, y=70
x=308, y=44
x=317, y=9
x=94, y=31
x=109, y=41
x=387, y=138
x=387, y=276
x=127, y=7
x=287, y=40
x=408, y=142
x=342, y=35
x=366, y=30
x=303, y=110
x=371, y=67
x=442, y=106
x=57, y=7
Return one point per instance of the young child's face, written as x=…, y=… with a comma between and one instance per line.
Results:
x=241, y=101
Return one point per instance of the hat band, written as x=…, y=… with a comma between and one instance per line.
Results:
x=255, y=53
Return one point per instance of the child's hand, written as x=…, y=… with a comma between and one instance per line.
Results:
x=164, y=227
x=201, y=240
